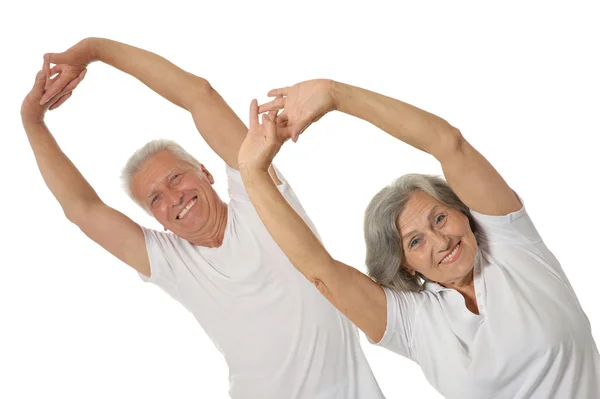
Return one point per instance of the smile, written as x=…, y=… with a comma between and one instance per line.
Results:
x=187, y=208
x=452, y=256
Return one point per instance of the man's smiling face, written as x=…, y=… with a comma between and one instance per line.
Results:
x=178, y=194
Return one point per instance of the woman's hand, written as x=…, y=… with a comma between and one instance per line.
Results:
x=71, y=68
x=302, y=104
x=261, y=143
x=32, y=113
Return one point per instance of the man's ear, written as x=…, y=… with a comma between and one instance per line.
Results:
x=210, y=177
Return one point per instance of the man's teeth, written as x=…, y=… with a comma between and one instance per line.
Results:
x=451, y=254
x=187, y=208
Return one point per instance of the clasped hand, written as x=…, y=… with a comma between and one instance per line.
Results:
x=302, y=104
x=53, y=86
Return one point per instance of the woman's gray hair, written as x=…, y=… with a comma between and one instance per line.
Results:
x=382, y=236
x=143, y=154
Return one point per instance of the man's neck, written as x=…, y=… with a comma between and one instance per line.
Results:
x=214, y=232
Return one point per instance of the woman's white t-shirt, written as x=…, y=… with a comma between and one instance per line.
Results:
x=531, y=338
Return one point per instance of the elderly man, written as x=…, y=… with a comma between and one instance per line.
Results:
x=281, y=339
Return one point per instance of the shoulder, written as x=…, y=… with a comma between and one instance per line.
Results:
x=513, y=228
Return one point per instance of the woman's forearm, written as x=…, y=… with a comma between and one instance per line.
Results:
x=287, y=228
x=408, y=123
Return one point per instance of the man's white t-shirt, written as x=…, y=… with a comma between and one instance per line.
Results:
x=280, y=337
x=530, y=340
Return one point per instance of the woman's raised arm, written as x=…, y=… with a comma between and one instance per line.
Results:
x=357, y=296
x=468, y=173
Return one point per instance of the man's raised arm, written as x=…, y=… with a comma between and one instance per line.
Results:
x=215, y=120
x=112, y=230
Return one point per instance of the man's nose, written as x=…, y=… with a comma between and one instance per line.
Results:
x=174, y=197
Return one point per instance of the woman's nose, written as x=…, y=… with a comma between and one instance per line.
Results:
x=440, y=242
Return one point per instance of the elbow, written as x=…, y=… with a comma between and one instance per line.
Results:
x=201, y=86
x=78, y=213
x=75, y=215
x=323, y=271
x=200, y=91
x=450, y=141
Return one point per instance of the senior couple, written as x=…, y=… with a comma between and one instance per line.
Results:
x=459, y=279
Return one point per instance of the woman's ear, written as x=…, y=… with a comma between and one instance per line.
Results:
x=408, y=269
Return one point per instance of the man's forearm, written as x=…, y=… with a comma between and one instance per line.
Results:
x=408, y=123
x=63, y=179
x=162, y=76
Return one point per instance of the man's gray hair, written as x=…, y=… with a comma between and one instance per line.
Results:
x=382, y=236
x=143, y=154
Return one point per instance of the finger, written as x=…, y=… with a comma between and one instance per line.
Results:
x=278, y=92
x=75, y=82
x=266, y=118
x=254, y=114
x=55, y=69
x=284, y=133
x=297, y=132
x=56, y=87
x=50, y=81
x=56, y=58
x=38, y=85
x=273, y=115
x=46, y=69
x=60, y=101
x=282, y=119
x=269, y=125
x=276, y=104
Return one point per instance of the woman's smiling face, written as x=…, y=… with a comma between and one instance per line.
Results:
x=437, y=240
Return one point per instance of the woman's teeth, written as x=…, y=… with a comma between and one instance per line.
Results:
x=451, y=254
x=187, y=208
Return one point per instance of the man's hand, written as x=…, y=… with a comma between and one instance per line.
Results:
x=71, y=66
x=32, y=113
x=261, y=143
x=302, y=104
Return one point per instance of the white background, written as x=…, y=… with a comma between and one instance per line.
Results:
x=520, y=81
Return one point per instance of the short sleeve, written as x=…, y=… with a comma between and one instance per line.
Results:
x=513, y=240
x=513, y=228
x=236, y=189
x=401, y=313
x=158, y=245
x=238, y=193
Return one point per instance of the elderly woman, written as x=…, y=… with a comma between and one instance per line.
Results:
x=462, y=283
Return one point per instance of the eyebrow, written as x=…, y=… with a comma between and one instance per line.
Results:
x=431, y=212
x=166, y=177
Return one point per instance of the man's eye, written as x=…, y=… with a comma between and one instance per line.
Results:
x=155, y=199
x=176, y=177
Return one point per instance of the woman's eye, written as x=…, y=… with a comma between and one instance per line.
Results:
x=440, y=218
x=175, y=177
x=413, y=242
